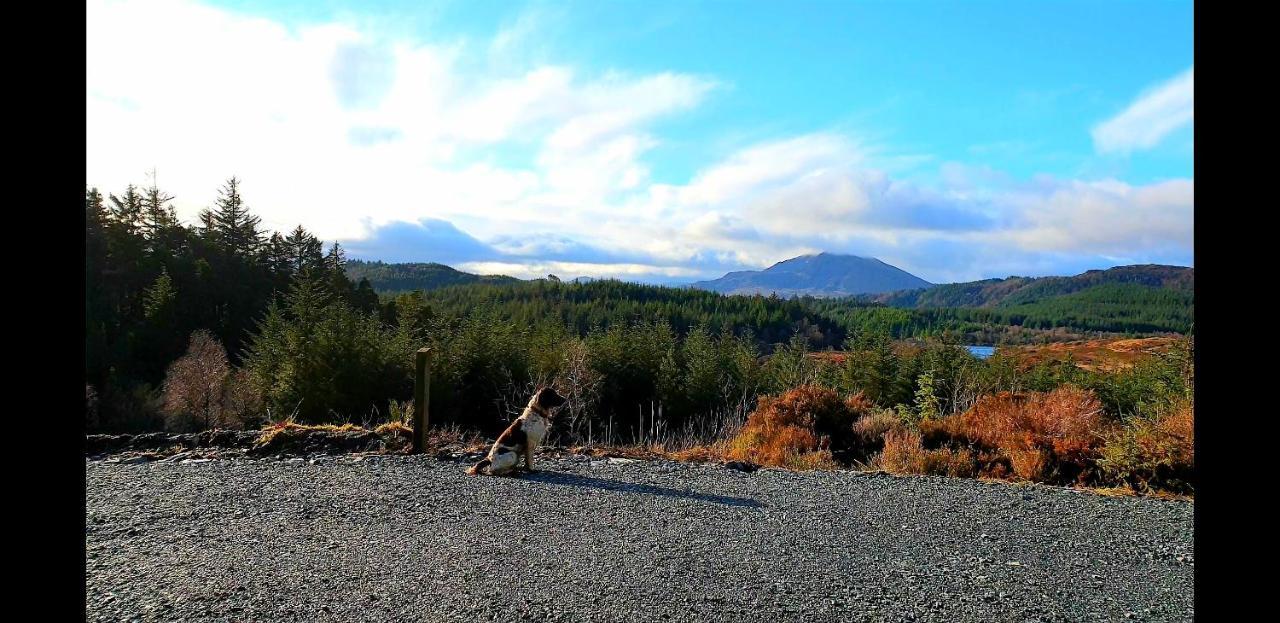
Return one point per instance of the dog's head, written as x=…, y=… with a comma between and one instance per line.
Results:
x=547, y=399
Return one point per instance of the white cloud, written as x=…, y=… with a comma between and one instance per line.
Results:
x=571, y=270
x=345, y=131
x=1154, y=115
x=825, y=193
x=1108, y=218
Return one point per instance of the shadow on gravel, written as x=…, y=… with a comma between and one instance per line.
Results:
x=575, y=480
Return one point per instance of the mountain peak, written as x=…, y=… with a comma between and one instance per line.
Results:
x=818, y=274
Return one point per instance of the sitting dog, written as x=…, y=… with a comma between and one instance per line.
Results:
x=521, y=437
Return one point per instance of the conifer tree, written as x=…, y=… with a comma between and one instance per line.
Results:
x=304, y=250
x=126, y=211
x=159, y=215
x=160, y=299
x=236, y=227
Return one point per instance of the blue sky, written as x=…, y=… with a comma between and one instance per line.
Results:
x=666, y=141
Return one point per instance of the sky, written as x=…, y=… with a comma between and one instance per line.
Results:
x=665, y=142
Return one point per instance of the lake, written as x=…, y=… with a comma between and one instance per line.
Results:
x=981, y=352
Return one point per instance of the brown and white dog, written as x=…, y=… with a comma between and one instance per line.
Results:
x=522, y=437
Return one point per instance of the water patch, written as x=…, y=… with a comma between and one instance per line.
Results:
x=981, y=352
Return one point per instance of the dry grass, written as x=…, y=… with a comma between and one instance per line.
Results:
x=273, y=432
x=1108, y=355
x=1036, y=437
x=1154, y=453
x=797, y=429
x=399, y=429
x=396, y=436
x=904, y=453
x=1058, y=437
x=1043, y=436
x=872, y=428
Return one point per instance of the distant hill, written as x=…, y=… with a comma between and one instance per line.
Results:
x=408, y=277
x=821, y=275
x=1140, y=299
x=1014, y=291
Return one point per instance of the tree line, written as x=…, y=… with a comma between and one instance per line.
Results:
x=221, y=323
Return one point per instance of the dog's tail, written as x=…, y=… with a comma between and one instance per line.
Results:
x=479, y=467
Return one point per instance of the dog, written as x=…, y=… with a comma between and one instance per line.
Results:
x=522, y=437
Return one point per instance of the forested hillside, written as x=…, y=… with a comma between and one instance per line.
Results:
x=600, y=304
x=151, y=281
x=415, y=276
x=1023, y=290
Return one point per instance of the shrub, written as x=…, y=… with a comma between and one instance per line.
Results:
x=134, y=409
x=242, y=403
x=580, y=384
x=1044, y=436
x=1157, y=452
x=797, y=429
x=904, y=453
x=870, y=429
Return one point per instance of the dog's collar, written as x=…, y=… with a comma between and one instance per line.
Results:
x=536, y=408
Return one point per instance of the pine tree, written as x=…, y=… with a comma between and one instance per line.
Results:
x=304, y=250
x=335, y=268
x=159, y=216
x=160, y=299
x=126, y=211
x=336, y=259
x=236, y=227
x=95, y=213
x=927, y=405
x=276, y=256
x=365, y=299
x=97, y=314
x=208, y=229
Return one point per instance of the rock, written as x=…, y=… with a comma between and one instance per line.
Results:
x=132, y=460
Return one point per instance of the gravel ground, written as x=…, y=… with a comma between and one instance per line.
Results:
x=414, y=539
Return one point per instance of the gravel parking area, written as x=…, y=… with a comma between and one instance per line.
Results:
x=400, y=538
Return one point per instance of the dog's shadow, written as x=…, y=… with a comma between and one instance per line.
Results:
x=578, y=480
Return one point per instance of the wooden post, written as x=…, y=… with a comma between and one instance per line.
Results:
x=421, y=396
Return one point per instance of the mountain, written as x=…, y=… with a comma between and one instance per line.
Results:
x=408, y=277
x=1147, y=298
x=821, y=275
x=1137, y=280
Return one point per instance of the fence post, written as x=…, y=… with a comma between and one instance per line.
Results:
x=421, y=396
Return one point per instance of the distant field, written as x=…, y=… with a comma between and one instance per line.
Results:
x=1107, y=355
x=1101, y=355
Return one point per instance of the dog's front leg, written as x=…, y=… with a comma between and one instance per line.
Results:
x=528, y=459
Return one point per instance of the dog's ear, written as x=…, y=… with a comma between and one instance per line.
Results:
x=548, y=398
